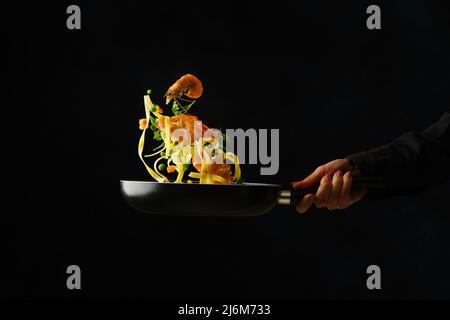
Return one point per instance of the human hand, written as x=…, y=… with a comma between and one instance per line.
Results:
x=335, y=190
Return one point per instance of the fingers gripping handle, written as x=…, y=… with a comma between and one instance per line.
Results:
x=294, y=196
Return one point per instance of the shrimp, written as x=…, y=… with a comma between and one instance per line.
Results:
x=182, y=122
x=188, y=85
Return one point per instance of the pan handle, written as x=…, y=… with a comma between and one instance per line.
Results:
x=294, y=196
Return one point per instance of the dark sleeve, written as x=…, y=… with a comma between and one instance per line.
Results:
x=412, y=162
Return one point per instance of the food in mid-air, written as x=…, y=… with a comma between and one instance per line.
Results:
x=189, y=149
x=188, y=85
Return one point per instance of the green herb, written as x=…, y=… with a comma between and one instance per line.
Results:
x=161, y=167
x=156, y=133
x=160, y=146
x=157, y=136
x=175, y=109
x=178, y=109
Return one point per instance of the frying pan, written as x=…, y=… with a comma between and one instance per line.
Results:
x=249, y=199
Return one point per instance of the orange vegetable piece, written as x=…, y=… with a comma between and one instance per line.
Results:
x=143, y=124
x=171, y=169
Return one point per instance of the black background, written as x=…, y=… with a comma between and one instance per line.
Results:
x=310, y=68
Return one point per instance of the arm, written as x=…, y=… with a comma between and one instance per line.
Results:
x=412, y=162
x=409, y=164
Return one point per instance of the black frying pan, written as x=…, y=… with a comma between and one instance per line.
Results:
x=249, y=199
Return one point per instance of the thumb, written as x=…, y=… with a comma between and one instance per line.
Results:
x=310, y=180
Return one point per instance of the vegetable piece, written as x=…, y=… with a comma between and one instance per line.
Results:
x=143, y=124
x=171, y=169
x=157, y=135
